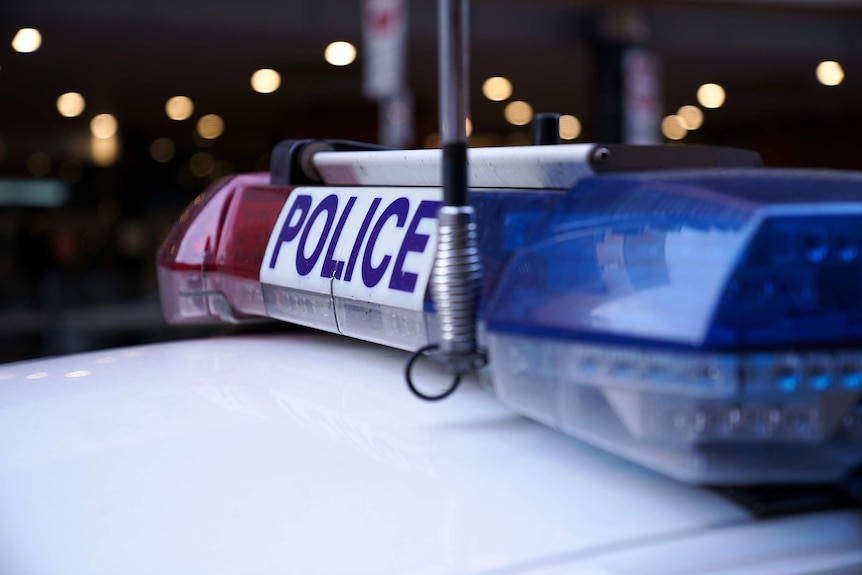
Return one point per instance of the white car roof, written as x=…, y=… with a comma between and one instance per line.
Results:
x=306, y=454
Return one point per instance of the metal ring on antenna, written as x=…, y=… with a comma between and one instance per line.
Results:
x=409, y=367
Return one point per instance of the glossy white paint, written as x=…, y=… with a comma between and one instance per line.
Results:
x=305, y=454
x=530, y=167
x=828, y=544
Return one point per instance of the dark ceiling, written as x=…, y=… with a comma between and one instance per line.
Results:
x=127, y=57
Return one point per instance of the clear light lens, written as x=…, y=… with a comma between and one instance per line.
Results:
x=301, y=307
x=701, y=417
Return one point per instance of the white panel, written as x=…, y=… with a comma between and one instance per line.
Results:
x=373, y=245
x=528, y=167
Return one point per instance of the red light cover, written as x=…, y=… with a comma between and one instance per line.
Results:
x=208, y=266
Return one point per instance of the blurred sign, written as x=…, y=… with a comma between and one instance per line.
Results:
x=642, y=105
x=384, y=28
x=36, y=193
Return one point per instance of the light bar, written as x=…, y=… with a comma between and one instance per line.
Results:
x=706, y=324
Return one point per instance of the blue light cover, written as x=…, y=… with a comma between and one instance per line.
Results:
x=704, y=324
x=712, y=260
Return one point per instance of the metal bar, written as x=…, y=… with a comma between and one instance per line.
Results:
x=454, y=98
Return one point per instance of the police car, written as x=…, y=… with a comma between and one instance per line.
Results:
x=672, y=380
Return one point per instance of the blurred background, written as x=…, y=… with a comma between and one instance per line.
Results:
x=115, y=114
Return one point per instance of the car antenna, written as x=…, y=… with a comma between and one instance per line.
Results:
x=456, y=279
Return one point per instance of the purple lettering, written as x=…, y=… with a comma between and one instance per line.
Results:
x=354, y=254
x=304, y=265
x=371, y=275
x=332, y=267
x=288, y=232
x=413, y=242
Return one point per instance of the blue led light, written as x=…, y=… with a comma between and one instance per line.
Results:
x=846, y=250
x=817, y=284
x=852, y=380
x=821, y=381
x=788, y=382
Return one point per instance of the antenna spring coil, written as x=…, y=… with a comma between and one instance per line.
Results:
x=456, y=282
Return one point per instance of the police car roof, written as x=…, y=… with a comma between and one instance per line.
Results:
x=304, y=453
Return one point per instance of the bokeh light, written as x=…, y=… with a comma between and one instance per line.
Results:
x=162, y=150
x=71, y=104
x=340, y=53
x=210, y=126
x=105, y=151
x=497, y=88
x=830, y=73
x=201, y=164
x=711, y=96
x=570, y=127
x=103, y=126
x=691, y=117
x=672, y=128
x=265, y=81
x=26, y=40
x=179, y=108
x=518, y=113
